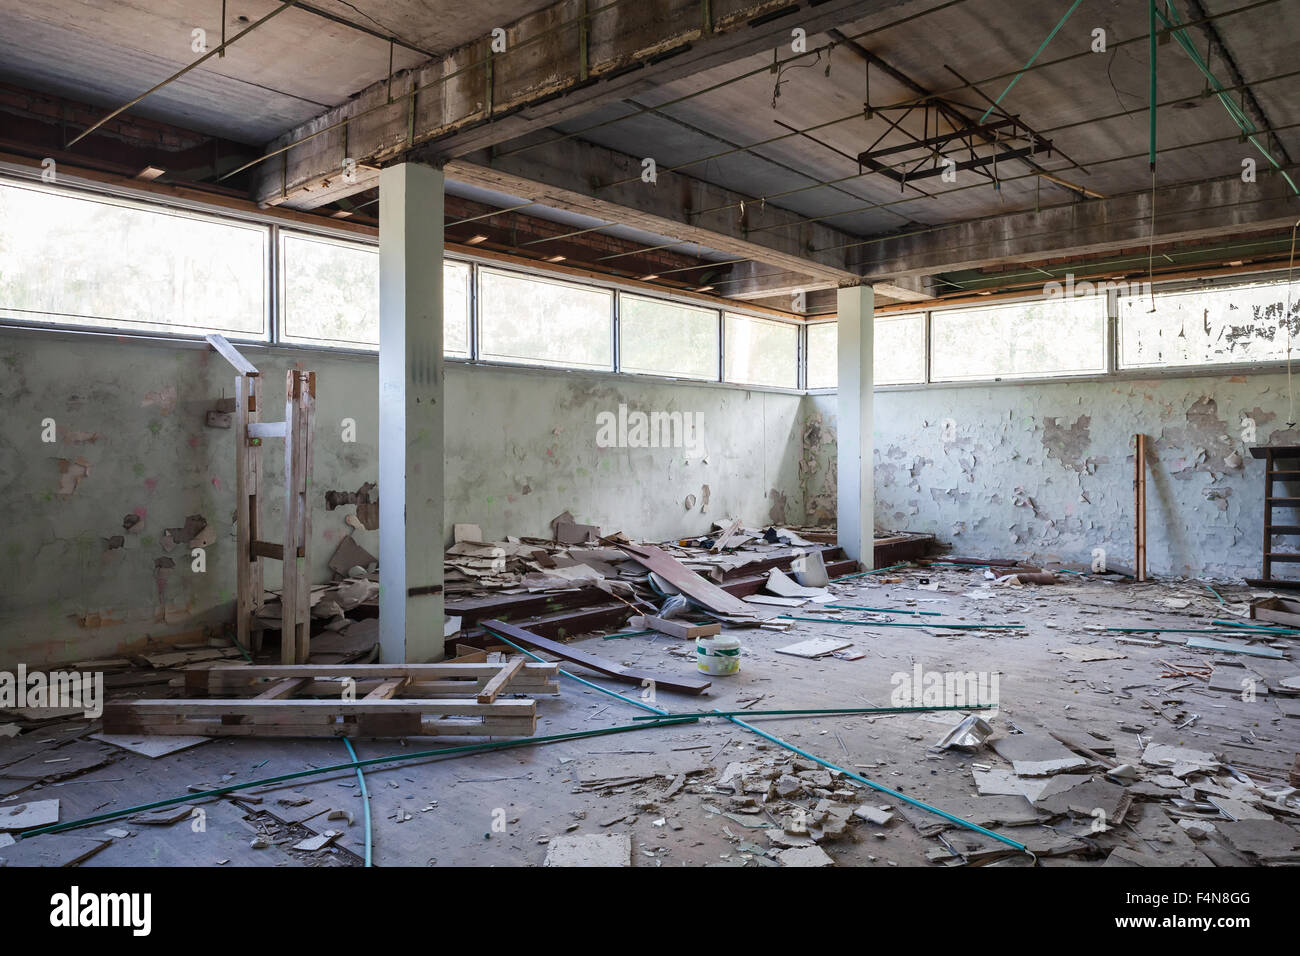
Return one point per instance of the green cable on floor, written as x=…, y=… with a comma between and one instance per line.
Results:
x=792, y=748
x=365, y=797
x=458, y=751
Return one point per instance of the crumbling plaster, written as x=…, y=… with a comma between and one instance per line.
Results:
x=87, y=517
x=1044, y=471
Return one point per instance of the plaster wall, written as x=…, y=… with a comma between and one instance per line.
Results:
x=1045, y=471
x=90, y=570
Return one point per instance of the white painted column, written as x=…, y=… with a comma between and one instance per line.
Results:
x=411, y=409
x=856, y=494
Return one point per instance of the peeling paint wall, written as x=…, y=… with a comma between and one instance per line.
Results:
x=1045, y=471
x=99, y=523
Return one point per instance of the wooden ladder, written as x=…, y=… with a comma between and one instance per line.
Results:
x=1272, y=455
x=292, y=550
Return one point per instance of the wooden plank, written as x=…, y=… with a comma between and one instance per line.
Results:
x=245, y=486
x=232, y=355
x=220, y=674
x=261, y=430
x=1277, y=611
x=295, y=595
x=389, y=688
x=252, y=510
x=726, y=536
x=504, y=676
x=688, y=582
x=299, y=710
x=283, y=688
x=1140, y=506
x=307, y=409
x=464, y=727
x=268, y=549
x=684, y=685
x=682, y=629
x=420, y=690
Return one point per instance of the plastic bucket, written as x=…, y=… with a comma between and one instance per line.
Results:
x=719, y=655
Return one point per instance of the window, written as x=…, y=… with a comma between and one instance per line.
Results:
x=331, y=295
x=1206, y=326
x=823, y=355
x=666, y=338
x=898, y=351
x=761, y=352
x=536, y=321
x=455, y=308
x=1059, y=336
x=107, y=263
x=331, y=291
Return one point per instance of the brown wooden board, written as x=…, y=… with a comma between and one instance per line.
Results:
x=696, y=588
x=1277, y=610
x=684, y=685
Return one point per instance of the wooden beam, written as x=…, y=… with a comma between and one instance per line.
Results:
x=681, y=629
x=266, y=429
x=1140, y=506
x=684, y=685
x=507, y=673
x=231, y=354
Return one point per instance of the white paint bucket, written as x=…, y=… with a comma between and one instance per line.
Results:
x=719, y=655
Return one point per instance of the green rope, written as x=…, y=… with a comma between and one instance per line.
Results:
x=1041, y=48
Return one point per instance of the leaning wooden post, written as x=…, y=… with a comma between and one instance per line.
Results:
x=295, y=594
x=1140, y=507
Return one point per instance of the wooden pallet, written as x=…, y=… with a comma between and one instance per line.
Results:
x=348, y=700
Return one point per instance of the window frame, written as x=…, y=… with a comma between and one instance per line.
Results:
x=798, y=351
x=186, y=212
x=674, y=376
x=477, y=357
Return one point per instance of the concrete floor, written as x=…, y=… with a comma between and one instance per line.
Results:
x=440, y=811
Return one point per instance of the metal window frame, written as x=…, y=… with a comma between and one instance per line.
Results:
x=667, y=300
x=121, y=200
x=723, y=313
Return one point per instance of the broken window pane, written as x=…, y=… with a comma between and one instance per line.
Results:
x=898, y=352
x=667, y=338
x=109, y=263
x=761, y=352
x=535, y=321
x=331, y=295
x=1206, y=326
x=1065, y=335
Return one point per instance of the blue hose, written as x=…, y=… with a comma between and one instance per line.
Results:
x=793, y=749
x=365, y=797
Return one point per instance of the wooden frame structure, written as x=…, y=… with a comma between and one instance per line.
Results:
x=349, y=700
x=292, y=551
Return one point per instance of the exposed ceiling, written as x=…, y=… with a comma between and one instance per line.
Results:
x=789, y=138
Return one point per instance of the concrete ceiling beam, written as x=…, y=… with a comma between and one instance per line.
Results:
x=472, y=98
x=1182, y=212
x=581, y=177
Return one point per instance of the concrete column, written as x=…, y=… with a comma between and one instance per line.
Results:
x=411, y=409
x=856, y=493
